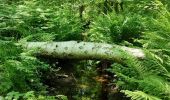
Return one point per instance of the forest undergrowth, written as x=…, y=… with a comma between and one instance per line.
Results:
x=142, y=24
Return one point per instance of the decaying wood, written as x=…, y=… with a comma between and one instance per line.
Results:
x=83, y=50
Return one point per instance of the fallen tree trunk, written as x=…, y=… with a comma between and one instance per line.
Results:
x=83, y=50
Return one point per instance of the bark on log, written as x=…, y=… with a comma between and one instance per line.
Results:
x=83, y=50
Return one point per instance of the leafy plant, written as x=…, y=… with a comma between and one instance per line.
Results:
x=139, y=95
x=144, y=24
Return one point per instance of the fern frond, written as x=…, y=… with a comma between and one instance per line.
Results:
x=139, y=95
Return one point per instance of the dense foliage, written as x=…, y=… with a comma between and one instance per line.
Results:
x=143, y=24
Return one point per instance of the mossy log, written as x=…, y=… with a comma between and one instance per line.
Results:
x=84, y=50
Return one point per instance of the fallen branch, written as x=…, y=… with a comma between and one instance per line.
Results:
x=83, y=50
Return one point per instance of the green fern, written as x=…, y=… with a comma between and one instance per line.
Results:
x=139, y=95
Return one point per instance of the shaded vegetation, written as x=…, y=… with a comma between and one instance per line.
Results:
x=143, y=24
